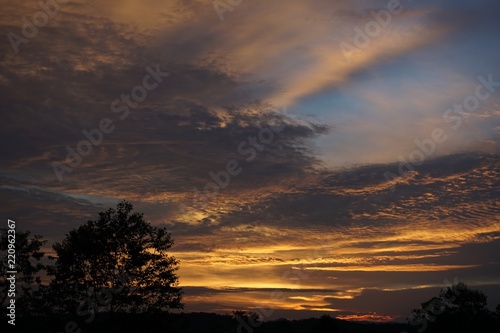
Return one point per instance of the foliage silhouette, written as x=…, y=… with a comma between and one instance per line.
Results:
x=117, y=263
x=212, y=323
x=456, y=309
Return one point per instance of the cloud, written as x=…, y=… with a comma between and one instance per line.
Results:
x=289, y=221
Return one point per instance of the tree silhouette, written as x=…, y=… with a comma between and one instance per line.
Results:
x=28, y=265
x=117, y=263
x=247, y=320
x=326, y=324
x=456, y=309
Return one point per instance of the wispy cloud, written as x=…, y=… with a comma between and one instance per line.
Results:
x=312, y=215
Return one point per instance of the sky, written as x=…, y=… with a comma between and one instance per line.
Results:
x=308, y=157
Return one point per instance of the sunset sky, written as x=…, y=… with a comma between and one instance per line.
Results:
x=309, y=157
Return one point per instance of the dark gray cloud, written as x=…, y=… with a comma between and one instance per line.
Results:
x=451, y=188
x=186, y=127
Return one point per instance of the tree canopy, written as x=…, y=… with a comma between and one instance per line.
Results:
x=116, y=263
x=456, y=309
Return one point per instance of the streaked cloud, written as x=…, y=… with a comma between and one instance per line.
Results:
x=311, y=225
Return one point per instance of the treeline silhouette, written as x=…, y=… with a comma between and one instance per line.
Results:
x=199, y=323
x=117, y=263
x=114, y=274
x=216, y=323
